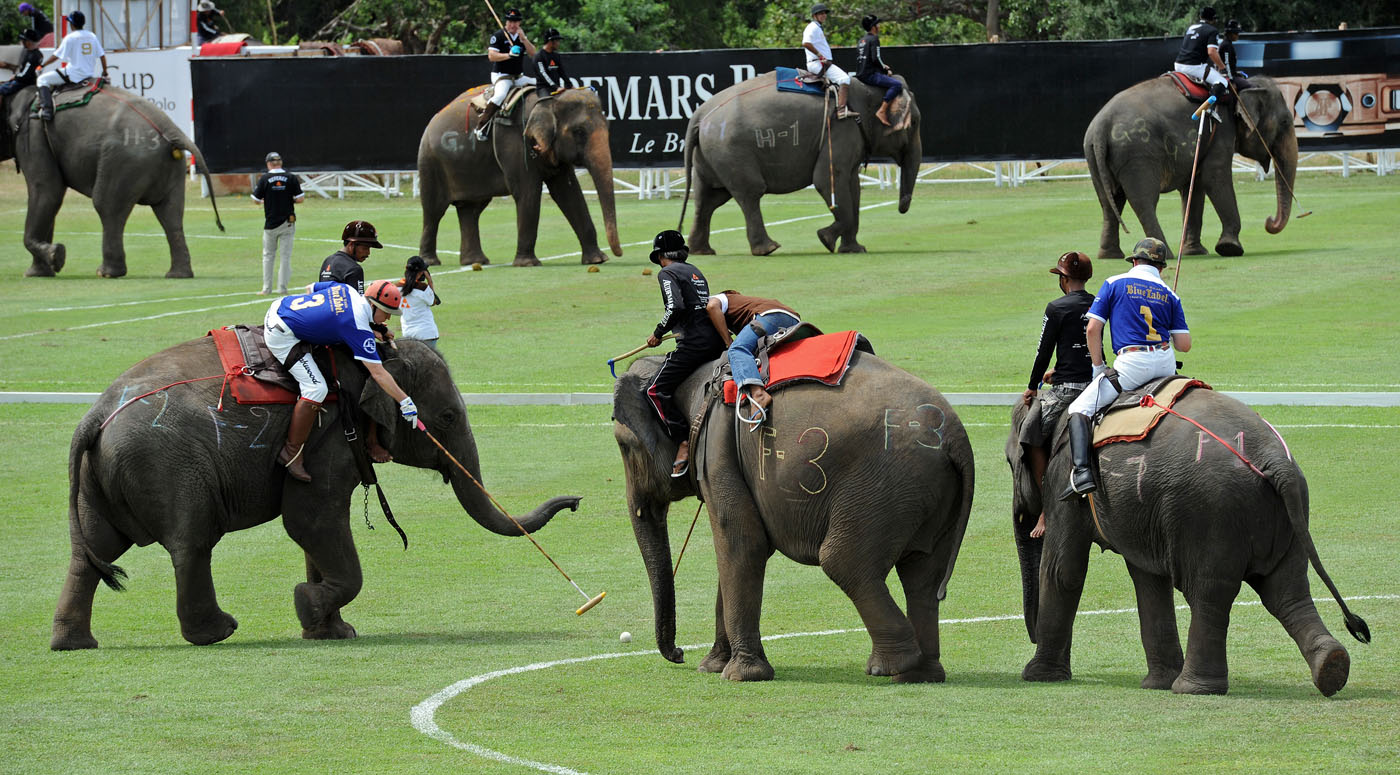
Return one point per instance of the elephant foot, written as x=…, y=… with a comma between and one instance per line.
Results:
x=828, y=238
x=1113, y=252
x=1192, y=684
x=748, y=669
x=431, y=259
x=525, y=261
x=111, y=271
x=474, y=258
x=1229, y=249
x=1330, y=670
x=851, y=246
x=593, y=256
x=38, y=269
x=58, y=256
x=764, y=248
x=312, y=612
x=1160, y=678
x=1044, y=672
x=929, y=671
x=336, y=629
x=179, y=273
x=217, y=628
x=715, y=661
x=70, y=638
x=893, y=661
x=702, y=250
x=1194, y=249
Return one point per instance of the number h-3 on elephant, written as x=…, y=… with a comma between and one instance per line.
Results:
x=1142, y=143
x=753, y=139
x=559, y=133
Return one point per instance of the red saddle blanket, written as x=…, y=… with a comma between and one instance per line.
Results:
x=243, y=380
x=1194, y=90
x=823, y=359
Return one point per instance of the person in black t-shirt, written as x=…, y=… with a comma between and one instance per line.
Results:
x=278, y=191
x=684, y=292
x=1061, y=335
x=1199, y=56
x=507, y=51
x=1227, y=52
x=343, y=266
x=549, y=66
x=37, y=20
x=207, y=22
x=871, y=70
x=27, y=71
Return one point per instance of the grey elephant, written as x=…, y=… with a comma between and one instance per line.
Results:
x=172, y=468
x=871, y=475
x=752, y=139
x=1185, y=513
x=120, y=151
x=1142, y=144
x=546, y=140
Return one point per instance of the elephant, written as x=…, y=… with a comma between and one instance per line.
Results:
x=1184, y=512
x=176, y=467
x=752, y=139
x=545, y=141
x=1143, y=142
x=120, y=151
x=871, y=475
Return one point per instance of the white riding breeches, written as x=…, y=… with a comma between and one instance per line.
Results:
x=501, y=84
x=1135, y=369
x=52, y=78
x=833, y=73
x=1204, y=72
x=281, y=340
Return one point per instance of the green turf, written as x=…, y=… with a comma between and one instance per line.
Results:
x=956, y=302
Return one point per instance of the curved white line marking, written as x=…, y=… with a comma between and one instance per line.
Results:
x=422, y=714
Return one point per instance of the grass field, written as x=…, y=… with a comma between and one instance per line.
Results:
x=952, y=291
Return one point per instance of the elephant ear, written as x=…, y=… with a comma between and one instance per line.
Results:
x=646, y=449
x=900, y=114
x=544, y=126
x=380, y=406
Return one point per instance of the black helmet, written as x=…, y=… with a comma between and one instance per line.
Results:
x=868, y=21
x=77, y=19
x=1233, y=26
x=513, y=15
x=1151, y=250
x=272, y=156
x=552, y=34
x=1208, y=14
x=31, y=35
x=361, y=231
x=820, y=8
x=669, y=241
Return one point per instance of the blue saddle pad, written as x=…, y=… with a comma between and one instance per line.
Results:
x=788, y=81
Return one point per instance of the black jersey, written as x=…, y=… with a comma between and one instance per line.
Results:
x=502, y=42
x=868, y=61
x=684, y=292
x=1062, y=333
x=277, y=190
x=1198, y=38
x=40, y=23
x=341, y=268
x=1227, y=54
x=549, y=72
x=207, y=24
x=28, y=70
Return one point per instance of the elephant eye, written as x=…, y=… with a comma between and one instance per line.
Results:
x=448, y=417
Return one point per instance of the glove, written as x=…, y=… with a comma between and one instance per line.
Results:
x=515, y=51
x=1099, y=370
x=409, y=411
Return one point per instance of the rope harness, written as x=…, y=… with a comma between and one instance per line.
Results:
x=1150, y=401
x=231, y=373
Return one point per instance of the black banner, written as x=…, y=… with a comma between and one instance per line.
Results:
x=978, y=102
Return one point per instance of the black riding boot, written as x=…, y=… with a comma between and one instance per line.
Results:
x=46, y=103
x=1081, y=444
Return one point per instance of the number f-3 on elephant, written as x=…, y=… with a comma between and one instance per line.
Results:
x=172, y=468
x=555, y=135
x=871, y=475
x=1185, y=513
x=120, y=151
x=752, y=139
x=1142, y=143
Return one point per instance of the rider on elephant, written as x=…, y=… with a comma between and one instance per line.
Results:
x=343, y=266
x=684, y=292
x=749, y=318
x=78, y=55
x=1227, y=52
x=506, y=50
x=1199, y=50
x=819, y=58
x=1147, y=321
x=332, y=313
x=549, y=66
x=1061, y=335
x=27, y=71
x=872, y=70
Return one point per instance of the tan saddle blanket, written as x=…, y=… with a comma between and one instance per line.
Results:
x=480, y=98
x=1127, y=420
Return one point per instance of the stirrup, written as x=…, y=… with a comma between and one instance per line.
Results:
x=757, y=417
x=685, y=469
x=1080, y=489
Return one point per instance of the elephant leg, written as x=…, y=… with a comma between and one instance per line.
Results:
x=469, y=226
x=322, y=530
x=202, y=622
x=434, y=207
x=72, y=620
x=859, y=566
x=1206, y=670
x=171, y=215
x=920, y=575
x=1192, y=246
x=720, y=653
x=1222, y=198
x=527, y=222
x=1142, y=196
x=707, y=199
x=1064, y=561
x=1157, y=621
x=1285, y=594
x=113, y=215
x=566, y=192
x=44, y=203
x=847, y=214
x=760, y=244
x=334, y=626
x=1109, y=247
x=742, y=550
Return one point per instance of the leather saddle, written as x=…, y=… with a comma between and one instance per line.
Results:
x=1192, y=89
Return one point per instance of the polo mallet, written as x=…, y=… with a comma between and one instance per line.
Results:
x=1250, y=120
x=612, y=362
x=493, y=15
x=1191, y=188
x=592, y=601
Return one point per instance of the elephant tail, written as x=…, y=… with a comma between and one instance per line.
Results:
x=184, y=144
x=1288, y=482
x=1096, y=157
x=83, y=441
x=967, y=472
x=692, y=136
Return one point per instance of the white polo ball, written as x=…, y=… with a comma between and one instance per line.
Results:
x=625, y=637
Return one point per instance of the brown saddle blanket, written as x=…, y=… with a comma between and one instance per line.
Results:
x=1127, y=420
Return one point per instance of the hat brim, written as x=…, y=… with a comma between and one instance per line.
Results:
x=374, y=243
x=384, y=307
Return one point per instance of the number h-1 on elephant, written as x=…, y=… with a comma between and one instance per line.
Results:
x=1185, y=513
x=542, y=148
x=1142, y=144
x=120, y=151
x=871, y=475
x=172, y=468
x=753, y=139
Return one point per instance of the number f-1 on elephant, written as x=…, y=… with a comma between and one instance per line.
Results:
x=1185, y=513
x=172, y=468
x=752, y=139
x=542, y=148
x=871, y=475
x=118, y=150
x=1142, y=143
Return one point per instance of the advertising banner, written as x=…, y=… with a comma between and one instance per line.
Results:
x=160, y=76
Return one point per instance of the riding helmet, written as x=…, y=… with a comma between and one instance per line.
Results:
x=361, y=231
x=1075, y=266
x=669, y=241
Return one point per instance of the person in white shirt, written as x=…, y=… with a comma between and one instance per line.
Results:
x=78, y=56
x=419, y=298
x=819, y=58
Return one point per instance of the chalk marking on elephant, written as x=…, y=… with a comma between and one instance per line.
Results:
x=423, y=715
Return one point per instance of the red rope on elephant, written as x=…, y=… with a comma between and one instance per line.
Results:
x=130, y=401
x=1149, y=401
x=127, y=103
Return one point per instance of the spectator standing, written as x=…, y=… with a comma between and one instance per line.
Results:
x=279, y=192
x=206, y=20
x=419, y=298
x=37, y=20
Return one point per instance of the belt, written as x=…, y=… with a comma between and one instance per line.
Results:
x=1144, y=348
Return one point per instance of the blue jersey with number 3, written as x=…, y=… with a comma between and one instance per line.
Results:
x=1139, y=309
x=333, y=313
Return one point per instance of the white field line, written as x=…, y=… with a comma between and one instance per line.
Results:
x=136, y=320
x=421, y=716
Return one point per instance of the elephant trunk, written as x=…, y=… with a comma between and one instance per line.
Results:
x=649, y=525
x=1285, y=170
x=598, y=161
x=479, y=505
x=909, y=169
